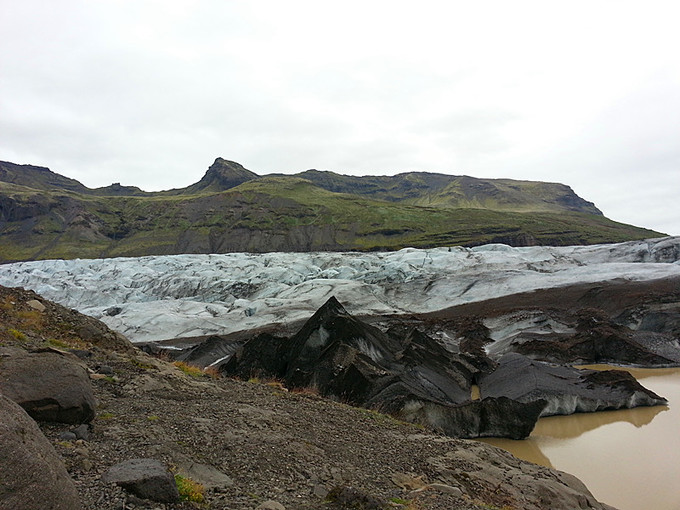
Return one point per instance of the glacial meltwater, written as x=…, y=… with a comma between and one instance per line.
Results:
x=628, y=458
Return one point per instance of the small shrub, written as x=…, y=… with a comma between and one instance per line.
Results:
x=188, y=369
x=8, y=303
x=277, y=385
x=399, y=501
x=105, y=416
x=140, y=364
x=189, y=490
x=153, y=417
x=308, y=391
x=58, y=343
x=17, y=334
x=31, y=317
x=212, y=372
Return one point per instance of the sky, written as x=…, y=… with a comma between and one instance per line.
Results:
x=149, y=93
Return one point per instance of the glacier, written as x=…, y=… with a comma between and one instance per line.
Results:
x=158, y=298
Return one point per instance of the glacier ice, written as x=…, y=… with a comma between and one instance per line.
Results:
x=164, y=297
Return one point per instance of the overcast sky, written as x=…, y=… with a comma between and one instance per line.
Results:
x=149, y=93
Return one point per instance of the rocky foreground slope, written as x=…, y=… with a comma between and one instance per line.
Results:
x=251, y=444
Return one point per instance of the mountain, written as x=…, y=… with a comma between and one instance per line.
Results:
x=38, y=178
x=438, y=190
x=221, y=176
x=46, y=215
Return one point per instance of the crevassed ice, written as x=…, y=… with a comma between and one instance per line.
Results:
x=162, y=297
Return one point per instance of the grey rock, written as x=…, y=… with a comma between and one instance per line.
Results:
x=490, y=417
x=566, y=390
x=208, y=476
x=212, y=348
x=270, y=505
x=50, y=386
x=39, y=480
x=526, y=485
x=320, y=491
x=145, y=478
x=105, y=369
x=82, y=432
x=67, y=436
x=36, y=305
x=447, y=489
x=81, y=353
x=404, y=373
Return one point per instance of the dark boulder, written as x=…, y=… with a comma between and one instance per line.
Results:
x=261, y=356
x=33, y=475
x=321, y=348
x=145, y=478
x=49, y=385
x=490, y=417
x=413, y=377
x=598, y=339
x=566, y=390
x=211, y=350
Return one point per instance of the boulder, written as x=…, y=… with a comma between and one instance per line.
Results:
x=524, y=485
x=270, y=505
x=208, y=351
x=208, y=476
x=566, y=390
x=49, y=385
x=38, y=480
x=402, y=372
x=145, y=478
x=597, y=339
x=490, y=417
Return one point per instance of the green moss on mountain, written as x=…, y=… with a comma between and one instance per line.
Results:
x=232, y=209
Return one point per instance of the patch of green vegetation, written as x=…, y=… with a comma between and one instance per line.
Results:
x=152, y=417
x=400, y=501
x=489, y=506
x=18, y=335
x=141, y=364
x=188, y=369
x=58, y=343
x=189, y=490
x=105, y=415
x=313, y=211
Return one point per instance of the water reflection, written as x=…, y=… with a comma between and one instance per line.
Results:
x=638, y=373
x=566, y=427
x=527, y=449
x=588, y=445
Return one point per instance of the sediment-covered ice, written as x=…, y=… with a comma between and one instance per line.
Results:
x=163, y=297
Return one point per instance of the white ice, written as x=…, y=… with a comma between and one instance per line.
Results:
x=164, y=297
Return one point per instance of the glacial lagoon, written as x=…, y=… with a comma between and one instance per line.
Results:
x=628, y=458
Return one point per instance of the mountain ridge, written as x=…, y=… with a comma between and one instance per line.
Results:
x=415, y=188
x=47, y=215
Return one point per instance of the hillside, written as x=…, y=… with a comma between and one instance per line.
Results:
x=45, y=215
x=252, y=445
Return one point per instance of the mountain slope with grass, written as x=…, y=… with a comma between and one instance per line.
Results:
x=45, y=215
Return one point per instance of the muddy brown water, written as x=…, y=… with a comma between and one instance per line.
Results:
x=629, y=459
